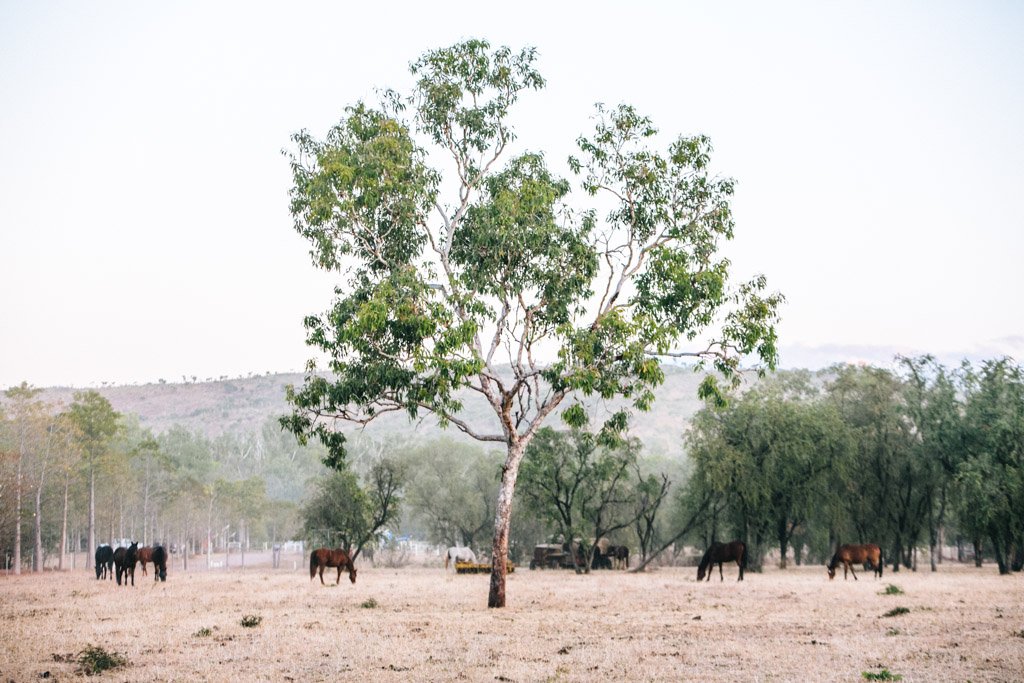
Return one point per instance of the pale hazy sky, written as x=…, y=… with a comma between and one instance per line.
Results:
x=144, y=226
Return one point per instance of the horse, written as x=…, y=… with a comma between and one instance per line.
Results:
x=159, y=558
x=620, y=556
x=458, y=554
x=719, y=553
x=145, y=555
x=325, y=557
x=104, y=562
x=850, y=554
x=124, y=562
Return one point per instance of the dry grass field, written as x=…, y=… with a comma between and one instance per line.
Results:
x=423, y=625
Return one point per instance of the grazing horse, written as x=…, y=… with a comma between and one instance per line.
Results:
x=719, y=553
x=145, y=556
x=124, y=562
x=458, y=554
x=850, y=554
x=104, y=562
x=620, y=555
x=159, y=558
x=325, y=557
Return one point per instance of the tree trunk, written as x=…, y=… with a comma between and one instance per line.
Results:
x=977, y=552
x=17, y=520
x=64, y=527
x=997, y=548
x=92, y=511
x=502, y=523
x=37, y=546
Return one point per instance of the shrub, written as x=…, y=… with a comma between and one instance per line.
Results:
x=95, y=660
x=896, y=611
x=203, y=633
x=892, y=590
x=369, y=604
x=883, y=675
x=251, y=620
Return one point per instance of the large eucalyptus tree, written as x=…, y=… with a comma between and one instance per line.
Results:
x=493, y=280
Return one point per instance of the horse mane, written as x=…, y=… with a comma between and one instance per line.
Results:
x=706, y=560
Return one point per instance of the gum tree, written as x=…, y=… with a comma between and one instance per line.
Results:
x=490, y=279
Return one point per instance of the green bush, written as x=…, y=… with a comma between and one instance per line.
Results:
x=892, y=590
x=883, y=675
x=251, y=620
x=369, y=604
x=95, y=660
x=896, y=611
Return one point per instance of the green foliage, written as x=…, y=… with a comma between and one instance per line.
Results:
x=251, y=620
x=94, y=660
x=344, y=513
x=204, y=632
x=369, y=603
x=883, y=675
x=896, y=611
x=510, y=254
x=891, y=590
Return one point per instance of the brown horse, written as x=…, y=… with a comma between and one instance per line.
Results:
x=145, y=556
x=851, y=554
x=719, y=553
x=325, y=557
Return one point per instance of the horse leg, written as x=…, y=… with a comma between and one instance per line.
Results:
x=322, y=576
x=338, y=581
x=721, y=576
x=739, y=563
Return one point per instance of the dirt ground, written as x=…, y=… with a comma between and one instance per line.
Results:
x=424, y=625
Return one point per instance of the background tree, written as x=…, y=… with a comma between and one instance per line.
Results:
x=465, y=294
x=991, y=477
x=580, y=487
x=342, y=512
x=451, y=487
x=97, y=423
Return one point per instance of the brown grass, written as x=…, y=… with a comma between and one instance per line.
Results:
x=424, y=625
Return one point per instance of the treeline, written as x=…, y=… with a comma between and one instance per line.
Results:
x=75, y=476
x=909, y=458
x=912, y=458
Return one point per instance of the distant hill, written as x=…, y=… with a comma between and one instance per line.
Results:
x=244, y=404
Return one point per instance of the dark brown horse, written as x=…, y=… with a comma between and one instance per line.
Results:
x=104, y=562
x=719, y=553
x=851, y=554
x=159, y=558
x=124, y=562
x=325, y=557
x=145, y=556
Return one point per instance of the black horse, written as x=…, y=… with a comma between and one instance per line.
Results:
x=719, y=553
x=104, y=562
x=159, y=559
x=125, y=560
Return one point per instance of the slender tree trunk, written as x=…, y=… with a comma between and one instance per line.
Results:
x=977, y=552
x=37, y=546
x=64, y=527
x=502, y=523
x=17, y=520
x=92, y=510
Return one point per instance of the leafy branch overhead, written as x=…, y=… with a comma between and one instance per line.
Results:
x=495, y=262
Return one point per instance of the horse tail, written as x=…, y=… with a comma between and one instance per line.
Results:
x=312, y=565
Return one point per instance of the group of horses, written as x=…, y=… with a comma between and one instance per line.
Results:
x=120, y=563
x=866, y=554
